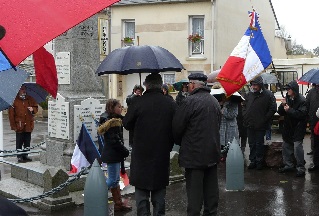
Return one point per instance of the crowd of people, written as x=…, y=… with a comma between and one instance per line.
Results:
x=202, y=125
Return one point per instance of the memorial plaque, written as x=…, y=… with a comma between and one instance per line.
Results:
x=89, y=110
x=58, y=118
x=63, y=62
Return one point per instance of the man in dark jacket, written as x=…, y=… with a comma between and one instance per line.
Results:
x=258, y=109
x=312, y=103
x=294, y=110
x=151, y=118
x=196, y=129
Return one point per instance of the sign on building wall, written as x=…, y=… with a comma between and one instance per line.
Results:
x=58, y=118
x=89, y=110
x=63, y=66
x=103, y=36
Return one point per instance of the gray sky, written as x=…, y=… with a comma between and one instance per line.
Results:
x=300, y=19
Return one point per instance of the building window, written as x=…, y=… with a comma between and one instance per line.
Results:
x=196, y=26
x=168, y=78
x=129, y=31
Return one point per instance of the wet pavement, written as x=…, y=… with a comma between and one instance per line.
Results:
x=267, y=192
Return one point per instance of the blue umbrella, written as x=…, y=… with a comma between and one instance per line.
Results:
x=11, y=81
x=36, y=91
x=311, y=76
x=139, y=59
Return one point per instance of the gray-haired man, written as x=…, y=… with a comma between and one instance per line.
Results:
x=196, y=129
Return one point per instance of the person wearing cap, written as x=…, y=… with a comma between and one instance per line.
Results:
x=312, y=103
x=259, y=108
x=196, y=129
x=22, y=121
x=151, y=118
x=294, y=110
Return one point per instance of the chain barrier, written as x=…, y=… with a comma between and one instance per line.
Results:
x=22, y=150
x=83, y=171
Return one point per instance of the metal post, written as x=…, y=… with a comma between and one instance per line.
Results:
x=96, y=192
x=235, y=168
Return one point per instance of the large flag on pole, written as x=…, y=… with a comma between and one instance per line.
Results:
x=249, y=58
x=45, y=71
x=85, y=151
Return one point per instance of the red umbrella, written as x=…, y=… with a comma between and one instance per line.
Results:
x=30, y=24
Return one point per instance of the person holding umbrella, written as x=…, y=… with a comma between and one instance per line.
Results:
x=151, y=118
x=22, y=121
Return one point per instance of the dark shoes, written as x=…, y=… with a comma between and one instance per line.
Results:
x=259, y=167
x=286, y=169
x=27, y=159
x=255, y=166
x=300, y=174
x=24, y=159
x=21, y=160
x=252, y=166
x=313, y=168
x=310, y=153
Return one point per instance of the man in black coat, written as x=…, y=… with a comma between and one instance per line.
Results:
x=312, y=103
x=258, y=109
x=294, y=110
x=151, y=118
x=196, y=129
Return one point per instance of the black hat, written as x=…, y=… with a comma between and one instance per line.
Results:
x=197, y=76
x=257, y=81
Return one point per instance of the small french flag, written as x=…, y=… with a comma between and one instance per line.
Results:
x=249, y=58
x=85, y=151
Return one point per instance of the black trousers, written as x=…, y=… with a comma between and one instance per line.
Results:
x=143, y=204
x=202, y=187
x=315, y=149
x=23, y=140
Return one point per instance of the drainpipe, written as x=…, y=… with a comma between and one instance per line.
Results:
x=212, y=53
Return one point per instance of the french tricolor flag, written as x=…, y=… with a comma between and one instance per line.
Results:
x=249, y=58
x=85, y=151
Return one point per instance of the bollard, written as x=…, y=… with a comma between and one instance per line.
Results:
x=95, y=192
x=234, y=168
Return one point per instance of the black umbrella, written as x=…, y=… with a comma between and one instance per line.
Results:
x=139, y=59
x=36, y=91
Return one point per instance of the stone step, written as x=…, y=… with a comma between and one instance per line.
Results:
x=31, y=172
